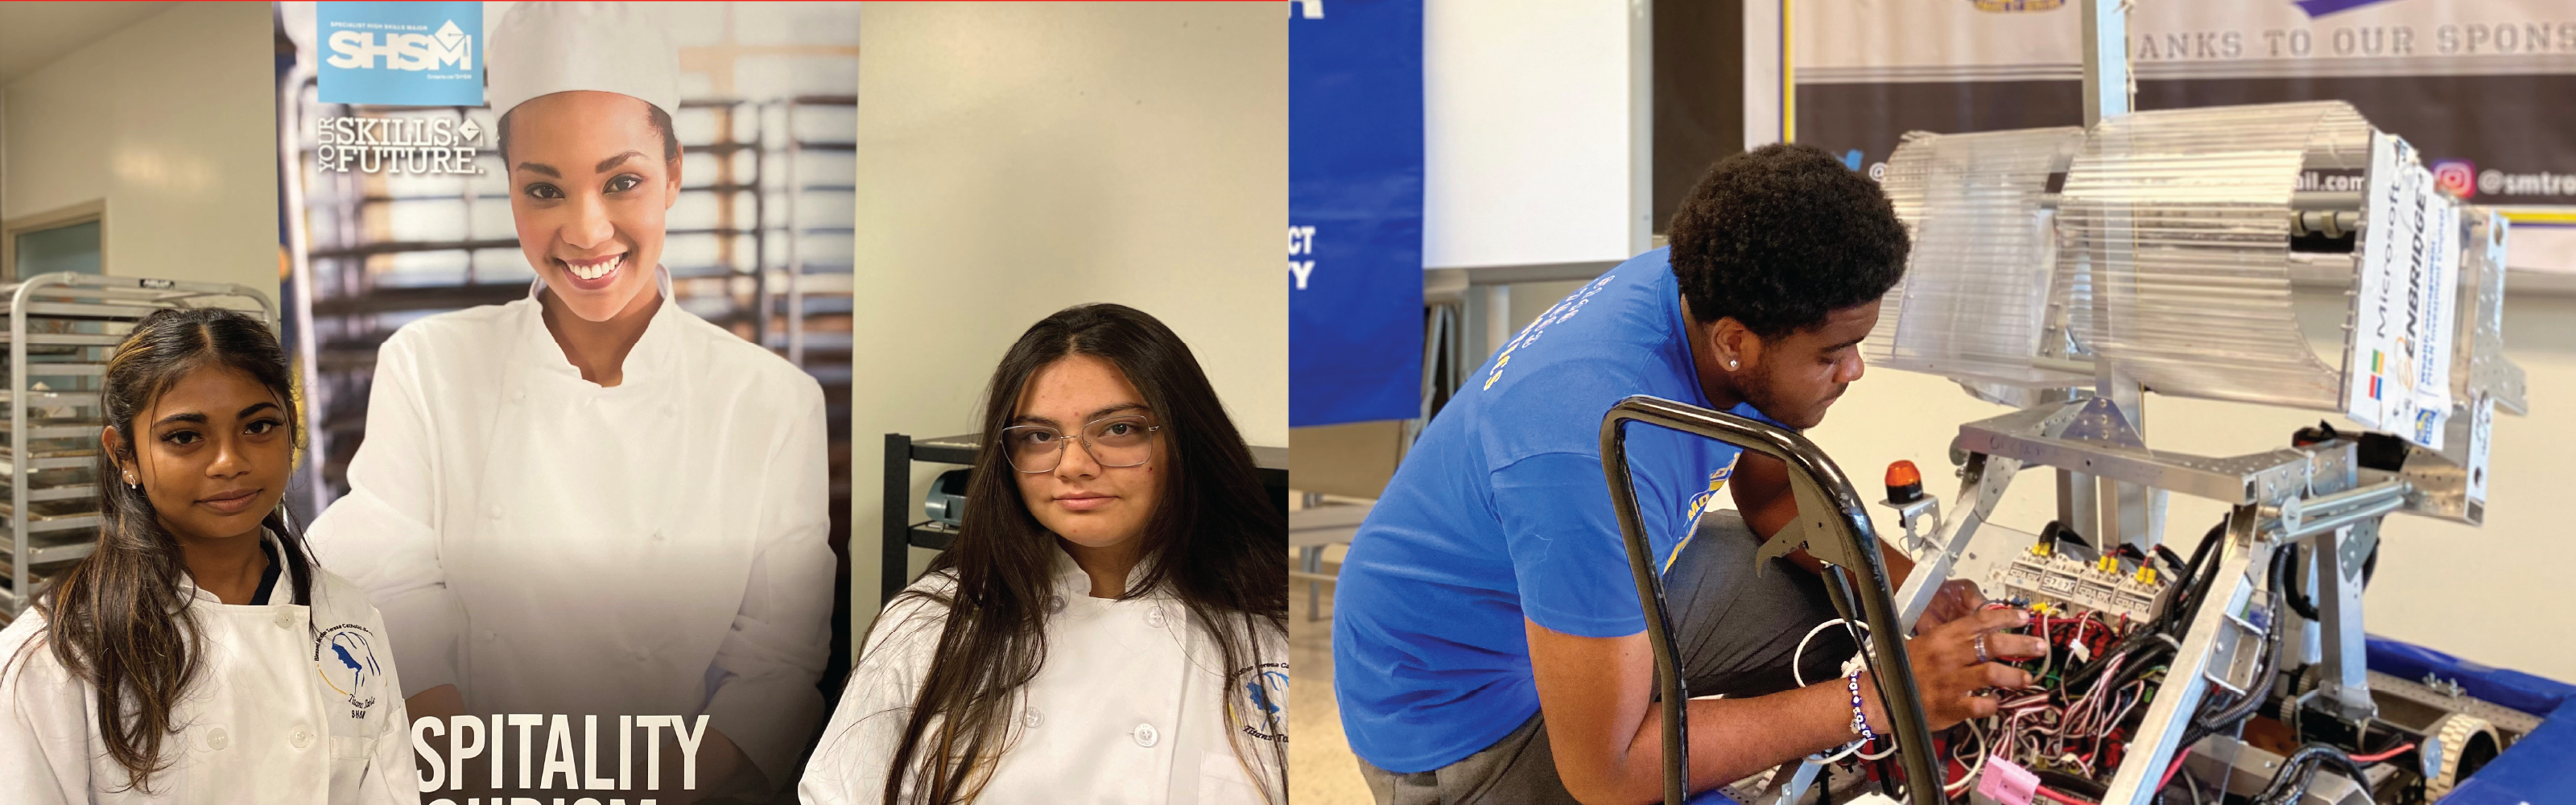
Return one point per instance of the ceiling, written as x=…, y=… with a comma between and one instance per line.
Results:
x=33, y=35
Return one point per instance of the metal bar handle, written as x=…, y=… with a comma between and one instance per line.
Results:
x=1816, y=479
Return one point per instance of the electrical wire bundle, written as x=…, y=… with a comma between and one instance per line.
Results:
x=2090, y=689
x=2068, y=735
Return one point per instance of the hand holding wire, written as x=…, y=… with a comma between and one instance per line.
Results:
x=1955, y=664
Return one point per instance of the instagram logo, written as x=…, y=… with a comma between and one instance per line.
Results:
x=2458, y=177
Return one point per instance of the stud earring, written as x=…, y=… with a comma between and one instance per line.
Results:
x=1730, y=364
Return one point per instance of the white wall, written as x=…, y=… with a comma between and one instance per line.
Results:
x=2494, y=594
x=1528, y=133
x=1015, y=158
x=172, y=121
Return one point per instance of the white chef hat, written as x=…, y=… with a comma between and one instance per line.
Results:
x=545, y=48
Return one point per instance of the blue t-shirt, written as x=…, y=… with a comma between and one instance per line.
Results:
x=1500, y=512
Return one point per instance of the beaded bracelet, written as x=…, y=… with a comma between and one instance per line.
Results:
x=1860, y=722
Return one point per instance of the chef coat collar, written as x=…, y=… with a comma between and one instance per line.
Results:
x=267, y=592
x=647, y=351
x=1069, y=575
x=268, y=544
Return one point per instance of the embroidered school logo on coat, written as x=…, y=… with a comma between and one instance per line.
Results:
x=345, y=656
x=1260, y=700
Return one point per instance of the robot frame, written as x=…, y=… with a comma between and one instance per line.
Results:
x=2153, y=251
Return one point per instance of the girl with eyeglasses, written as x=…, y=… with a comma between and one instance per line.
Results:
x=1110, y=624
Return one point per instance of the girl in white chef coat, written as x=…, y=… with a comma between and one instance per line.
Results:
x=590, y=501
x=195, y=655
x=1110, y=624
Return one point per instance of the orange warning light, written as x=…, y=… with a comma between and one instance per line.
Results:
x=1903, y=473
x=1904, y=482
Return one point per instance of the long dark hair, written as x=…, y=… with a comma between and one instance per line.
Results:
x=116, y=619
x=1215, y=541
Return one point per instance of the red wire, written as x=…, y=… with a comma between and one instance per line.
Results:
x=2401, y=749
x=2177, y=766
x=2065, y=798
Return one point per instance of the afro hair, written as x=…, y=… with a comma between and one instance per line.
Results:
x=1779, y=236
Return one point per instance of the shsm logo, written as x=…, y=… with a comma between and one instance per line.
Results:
x=2458, y=177
x=400, y=54
x=357, y=50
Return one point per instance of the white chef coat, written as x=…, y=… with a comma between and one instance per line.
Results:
x=551, y=546
x=1129, y=707
x=293, y=704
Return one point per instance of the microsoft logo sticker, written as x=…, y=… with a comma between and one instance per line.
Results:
x=2376, y=369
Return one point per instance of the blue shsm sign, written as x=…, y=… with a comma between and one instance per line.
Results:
x=400, y=54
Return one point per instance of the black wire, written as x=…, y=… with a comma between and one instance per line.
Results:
x=2197, y=577
x=2174, y=565
x=2270, y=666
x=2294, y=584
x=2203, y=570
x=2299, y=599
x=2303, y=765
x=2065, y=783
x=2370, y=564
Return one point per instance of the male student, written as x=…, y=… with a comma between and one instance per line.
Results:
x=1487, y=641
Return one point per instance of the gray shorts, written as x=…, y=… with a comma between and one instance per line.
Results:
x=1737, y=630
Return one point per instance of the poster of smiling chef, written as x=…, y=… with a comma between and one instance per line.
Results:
x=570, y=290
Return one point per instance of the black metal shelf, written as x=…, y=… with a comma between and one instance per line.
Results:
x=902, y=533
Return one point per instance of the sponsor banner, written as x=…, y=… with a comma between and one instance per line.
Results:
x=1354, y=211
x=2459, y=80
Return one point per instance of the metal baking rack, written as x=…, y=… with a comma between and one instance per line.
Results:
x=62, y=329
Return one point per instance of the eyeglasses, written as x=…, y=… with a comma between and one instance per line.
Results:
x=1118, y=441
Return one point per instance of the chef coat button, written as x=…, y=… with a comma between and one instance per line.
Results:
x=1146, y=735
x=1055, y=604
x=285, y=620
x=301, y=737
x=1033, y=718
x=217, y=739
x=1154, y=617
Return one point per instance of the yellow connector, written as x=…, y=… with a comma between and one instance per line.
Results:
x=2109, y=565
x=2147, y=575
x=2040, y=549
